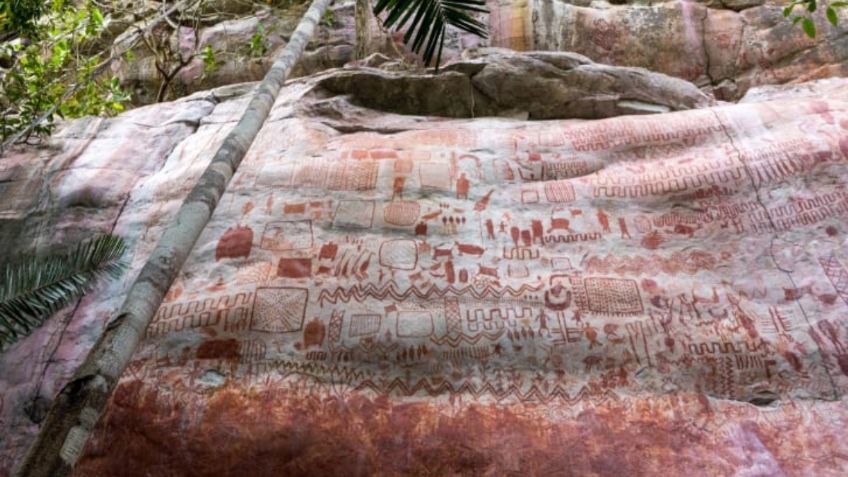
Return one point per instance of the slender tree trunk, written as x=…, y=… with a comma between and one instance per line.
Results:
x=363, y=16
x=78, y=406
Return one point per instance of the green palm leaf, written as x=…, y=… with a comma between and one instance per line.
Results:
x=38, y=287
x=428, y=20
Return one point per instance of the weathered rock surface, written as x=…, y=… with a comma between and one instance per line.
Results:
x=538, y=85
x=388, y=294
x=708, y=43
x=245, y=41
x=243, y=48
x=724, y=47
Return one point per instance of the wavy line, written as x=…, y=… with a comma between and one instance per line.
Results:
x=456, y=340
x=313, y=369
x=360, y=293
x=532, y=394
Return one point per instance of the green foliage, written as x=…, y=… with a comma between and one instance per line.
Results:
x=807, y=7
x=259, y=44
x=428, y=20
x=329, y=17
x=809, y=27
x=52, y=73
x=19, y=15
x=38, y=287
x=831, y=16
x=210, y=60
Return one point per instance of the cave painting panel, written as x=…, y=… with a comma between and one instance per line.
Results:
x=490, y=278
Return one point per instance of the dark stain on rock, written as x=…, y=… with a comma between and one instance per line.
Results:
x=241, y=431
x=219, y=349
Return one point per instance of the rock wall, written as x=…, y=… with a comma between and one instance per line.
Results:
x=231, y=40
x=393, y=294
x=725, y=48
x=122, y=175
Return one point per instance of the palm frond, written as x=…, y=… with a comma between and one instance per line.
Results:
x=37, y=287
x=428, y=20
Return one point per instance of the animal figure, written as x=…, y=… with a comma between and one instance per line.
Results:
x=488, y=271
x=442, y=252
x=559, y=224
x=469, y=249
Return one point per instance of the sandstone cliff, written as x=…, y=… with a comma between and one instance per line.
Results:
x=513, y=267
x=725, y=47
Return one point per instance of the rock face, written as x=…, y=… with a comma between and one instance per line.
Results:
x=727, y=47
x=391, y=294
x=724, y=47
x=243, y=47
x=537, y=85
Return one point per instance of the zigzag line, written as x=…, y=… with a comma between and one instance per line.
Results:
x=511, y=392
x=372, y=347
x=456, y=340
x=360, y=293
x=398, y=387
x=313, y=369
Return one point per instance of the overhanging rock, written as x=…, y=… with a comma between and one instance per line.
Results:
x=536, y=85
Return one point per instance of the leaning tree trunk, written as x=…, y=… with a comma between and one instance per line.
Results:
x=77, y=408
x=363, y=15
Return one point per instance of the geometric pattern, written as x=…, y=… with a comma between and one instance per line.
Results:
x=837, y=275
x=279, y=310
x=559, y=191
x=613, y=296
x=435, y=175
x=364, y=325
x=399, y=253
x=287, y=235
x=357, y=214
